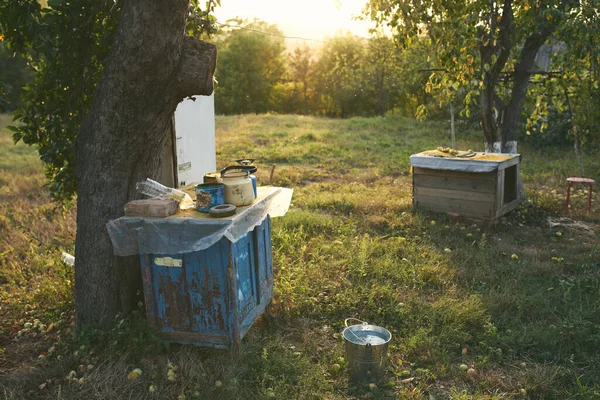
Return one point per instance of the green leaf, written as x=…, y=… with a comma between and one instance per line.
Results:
x=55, y=3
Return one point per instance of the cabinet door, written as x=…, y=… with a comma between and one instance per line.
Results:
x=208, y=285
x=171, y=306
x=264, y=261
x=244, y=275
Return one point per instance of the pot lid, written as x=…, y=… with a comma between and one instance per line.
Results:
x=245, y=161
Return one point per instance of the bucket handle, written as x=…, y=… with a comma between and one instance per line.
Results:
x=356, y=336
x=354, y=319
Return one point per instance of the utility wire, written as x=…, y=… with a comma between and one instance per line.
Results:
x=268, y=33
x=278, y=35
x=506, y=74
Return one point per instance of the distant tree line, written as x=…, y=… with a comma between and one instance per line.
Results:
x=14, y=74
x=415, y=74
x=347, y=76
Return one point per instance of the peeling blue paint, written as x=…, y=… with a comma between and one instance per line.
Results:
x=215, y=295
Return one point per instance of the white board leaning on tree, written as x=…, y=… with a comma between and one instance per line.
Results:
x=195, y=139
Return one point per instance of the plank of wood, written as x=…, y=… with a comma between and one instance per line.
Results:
x=455, y=174
x=150, y=208
x=454, y=194
x=508, y=208
x=466, y=208
x=453, y=164
x=455, y=183
x=500, y=190
x=509, y=163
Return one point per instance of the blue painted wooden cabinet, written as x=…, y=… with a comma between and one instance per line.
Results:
x=211, y=297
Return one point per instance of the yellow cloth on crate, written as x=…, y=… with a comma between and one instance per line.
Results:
x=467, y=156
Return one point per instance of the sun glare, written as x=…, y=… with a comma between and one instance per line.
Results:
x=314, y=19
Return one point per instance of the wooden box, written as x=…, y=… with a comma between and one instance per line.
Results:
x=485, y=186
x=211, y=297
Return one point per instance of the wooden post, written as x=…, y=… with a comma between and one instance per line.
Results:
x=452, y=124
x=272, y=172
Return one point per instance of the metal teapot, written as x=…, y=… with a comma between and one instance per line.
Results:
x=239, y=190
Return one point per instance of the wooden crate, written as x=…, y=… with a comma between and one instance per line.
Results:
x=212, y=297
x=472, y=188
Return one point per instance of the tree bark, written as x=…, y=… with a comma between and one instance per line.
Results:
x=452, y=131
x=510, y=118
x=382, y=94
x=488, y=120
x=576, y=140
x=152, y=66
x=509, y=123
x=305, y=94
x=490, y=102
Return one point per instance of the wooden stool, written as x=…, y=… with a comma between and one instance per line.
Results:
x=580, y=180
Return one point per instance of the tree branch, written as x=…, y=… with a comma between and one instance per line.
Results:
x=493, y=19
x=509, y=125
x=506, y=30
x=497, y=101
x=194, y=74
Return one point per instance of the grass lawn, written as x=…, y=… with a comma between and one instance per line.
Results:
x=476, y=311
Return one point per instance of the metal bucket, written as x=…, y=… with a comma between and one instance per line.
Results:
x=366, y=350
x=212, y=177
x=209, y=195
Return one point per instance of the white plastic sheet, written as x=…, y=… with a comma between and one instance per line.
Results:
x=193, y=231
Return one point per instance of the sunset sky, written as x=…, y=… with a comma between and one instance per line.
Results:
x=314, y=19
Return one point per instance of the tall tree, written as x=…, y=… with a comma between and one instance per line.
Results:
x=338, y=76
x=485, y=45
x=250, y=64
x=65, y=45
x=572, y=87
x=301, y=70
x=14, y=74
x=415, y=64
x=152, y=65
x=382, y=71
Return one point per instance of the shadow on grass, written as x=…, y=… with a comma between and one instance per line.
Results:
x=539, y=288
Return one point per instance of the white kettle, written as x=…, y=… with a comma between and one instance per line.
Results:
x=238, y=186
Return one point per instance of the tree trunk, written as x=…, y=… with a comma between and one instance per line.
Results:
x=382, y=93
x=152, y=66
x=510, y=117
x=576, y=140
x=305, y=94
x=452, y=131
x=490, y=101
x=488, y=120
x=577, y=147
